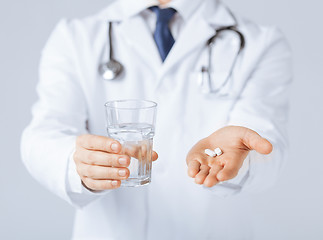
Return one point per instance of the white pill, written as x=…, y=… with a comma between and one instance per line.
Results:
x=210, y=153
x=218, y=151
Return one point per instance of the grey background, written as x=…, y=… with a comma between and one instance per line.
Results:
x=291, y=210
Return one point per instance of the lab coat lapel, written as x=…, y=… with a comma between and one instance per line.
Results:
x=193, y=36
x=197, y=32
x=137, y=34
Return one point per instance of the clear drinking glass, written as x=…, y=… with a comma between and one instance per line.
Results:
x=132, y=123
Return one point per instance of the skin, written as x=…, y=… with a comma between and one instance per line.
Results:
x=101, y=165
x=164, y=1
x=99, y=161
x=235, y=143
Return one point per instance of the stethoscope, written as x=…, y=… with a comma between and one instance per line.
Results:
x=112, y=69
x=204, y=78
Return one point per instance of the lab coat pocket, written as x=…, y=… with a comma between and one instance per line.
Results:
x=213, y=85
x=206, y=112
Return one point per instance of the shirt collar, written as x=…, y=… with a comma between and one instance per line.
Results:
x=185, y=7
x=123, y=9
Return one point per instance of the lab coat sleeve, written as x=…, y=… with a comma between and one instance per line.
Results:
x=58, y=117
x=263, y=107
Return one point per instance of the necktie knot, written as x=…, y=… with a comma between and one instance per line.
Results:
x=164, y=15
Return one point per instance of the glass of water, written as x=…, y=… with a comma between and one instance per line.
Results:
x=132, y=123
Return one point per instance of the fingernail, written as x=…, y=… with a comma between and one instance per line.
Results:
x=114, y=183
x=122, y=173
x=122, y=161
x=114, y=147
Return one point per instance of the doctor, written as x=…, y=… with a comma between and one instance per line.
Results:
x=165, y=55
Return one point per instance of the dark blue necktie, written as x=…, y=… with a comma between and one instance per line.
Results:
x=162, y=35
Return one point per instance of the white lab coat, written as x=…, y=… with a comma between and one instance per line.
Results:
x=72, y=95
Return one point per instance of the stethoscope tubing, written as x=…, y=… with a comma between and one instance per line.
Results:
x=210, y=43
x=113, y=68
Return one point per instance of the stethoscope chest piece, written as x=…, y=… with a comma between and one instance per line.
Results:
x=110, y=70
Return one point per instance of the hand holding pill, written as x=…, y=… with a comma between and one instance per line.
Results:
x=219, y=156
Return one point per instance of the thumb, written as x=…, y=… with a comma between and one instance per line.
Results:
x=254, y=141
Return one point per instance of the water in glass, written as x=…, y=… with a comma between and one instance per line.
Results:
x=137, y=141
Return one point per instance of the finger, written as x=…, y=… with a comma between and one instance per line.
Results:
x=229, y=171
x=100, y=173
x=140, y=151
x=132, y=150
x=98, y=185
x=196, y=156
x=193, y=168
x=154, y=156
x=254, y=141
x=194, y=162
x=212, y=179
x=101, y=143
x=200, y=177
x=102, y=158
